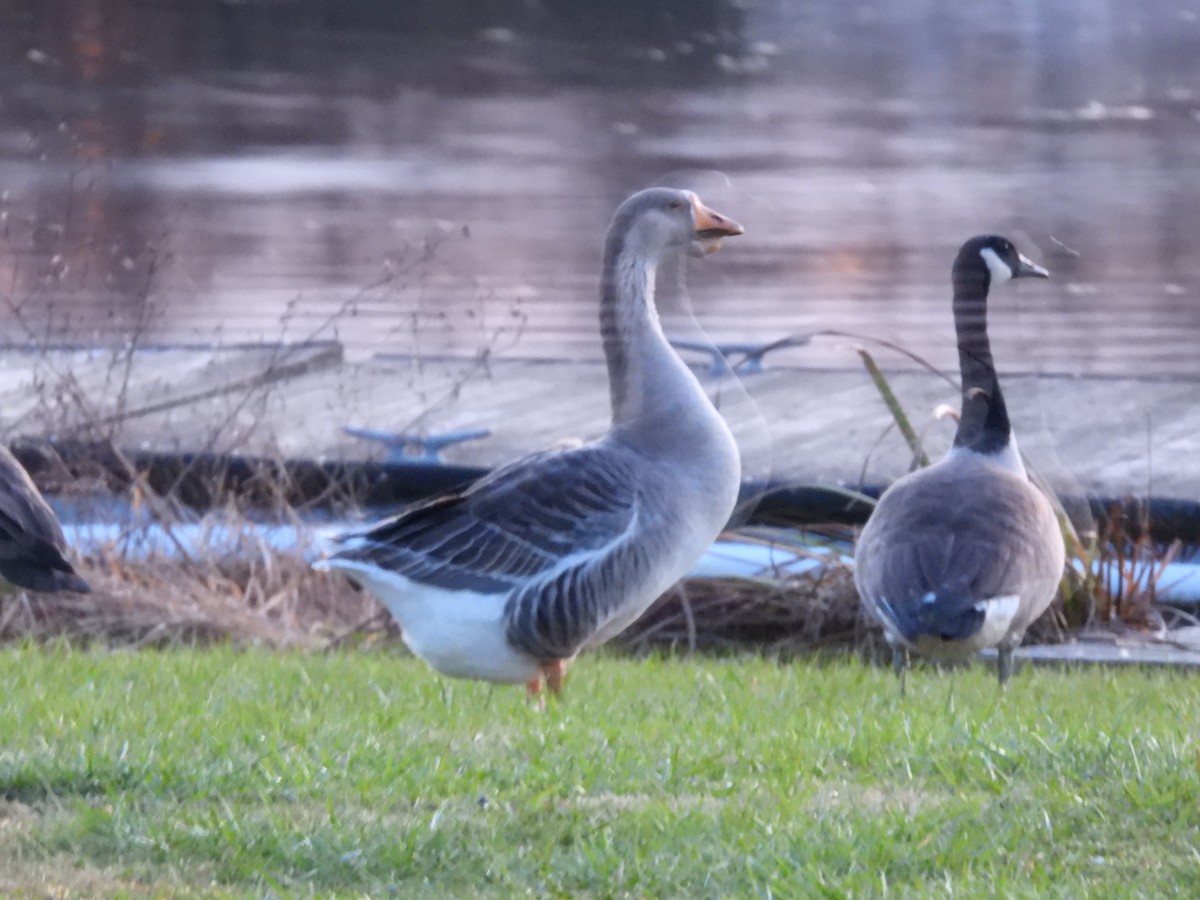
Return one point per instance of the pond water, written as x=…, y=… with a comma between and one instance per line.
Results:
x=436, y=177
x=768, y=553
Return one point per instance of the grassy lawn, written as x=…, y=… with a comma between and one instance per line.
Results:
x=219, y=772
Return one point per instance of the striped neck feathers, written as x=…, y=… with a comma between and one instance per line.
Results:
x=646, y=378
x=983, y=425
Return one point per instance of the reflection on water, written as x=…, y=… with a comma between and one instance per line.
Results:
x=436, y=176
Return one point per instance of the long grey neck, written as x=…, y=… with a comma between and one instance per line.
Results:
x=646, y=378
x=983, y=426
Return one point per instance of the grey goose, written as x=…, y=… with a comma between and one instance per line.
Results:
x=508, y=580
x=32, y=546
x=966, y=553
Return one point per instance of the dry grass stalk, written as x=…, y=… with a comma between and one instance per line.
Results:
x=275, y=601
x=1127, y=566
x=819, y=608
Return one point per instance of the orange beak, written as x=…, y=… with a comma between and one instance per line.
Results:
x=711, y=224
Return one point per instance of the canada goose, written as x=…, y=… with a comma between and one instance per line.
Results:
x=966, y=553
x=32, y=546
x=508, y=580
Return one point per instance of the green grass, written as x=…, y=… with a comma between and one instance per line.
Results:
x=256, y=773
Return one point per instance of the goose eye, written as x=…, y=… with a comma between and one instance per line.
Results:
x=675, y=204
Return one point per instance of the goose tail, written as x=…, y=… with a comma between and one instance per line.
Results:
x=43, y=579
x=950, y=617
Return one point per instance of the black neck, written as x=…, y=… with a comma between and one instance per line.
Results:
x=983, y=426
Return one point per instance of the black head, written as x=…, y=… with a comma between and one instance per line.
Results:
x=983, y=260
x=991, y=259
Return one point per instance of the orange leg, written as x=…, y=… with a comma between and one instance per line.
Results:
x=555, y=672
x=533, y=691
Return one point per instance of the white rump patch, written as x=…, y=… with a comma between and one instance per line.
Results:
x=458, y=633
x=998, y=614
x=998, y=267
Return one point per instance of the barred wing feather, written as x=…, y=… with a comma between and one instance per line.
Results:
x=522, y=524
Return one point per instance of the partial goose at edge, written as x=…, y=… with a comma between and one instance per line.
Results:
x=32, y=546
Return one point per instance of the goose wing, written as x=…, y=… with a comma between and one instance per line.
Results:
x=518, y=527
x=32, y=545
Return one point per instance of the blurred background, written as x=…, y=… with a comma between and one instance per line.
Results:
x=435, y=176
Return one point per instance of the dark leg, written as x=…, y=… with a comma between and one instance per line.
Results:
x=1004, y=663
x=900, y=665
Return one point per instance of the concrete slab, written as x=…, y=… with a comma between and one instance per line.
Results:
x=1110, y=436
x=1164, y=653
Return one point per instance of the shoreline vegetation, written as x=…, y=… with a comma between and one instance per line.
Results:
x=248, y=590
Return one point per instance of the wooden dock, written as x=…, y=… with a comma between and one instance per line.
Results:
x=1110, y=436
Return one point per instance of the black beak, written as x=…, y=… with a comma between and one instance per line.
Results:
x=1027, y=269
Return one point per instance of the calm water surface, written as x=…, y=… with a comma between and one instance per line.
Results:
x=436, y=177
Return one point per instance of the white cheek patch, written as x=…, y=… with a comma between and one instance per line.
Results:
x=998, y=267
